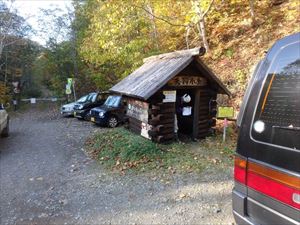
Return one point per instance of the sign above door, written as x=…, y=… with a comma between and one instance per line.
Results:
x=187, y=81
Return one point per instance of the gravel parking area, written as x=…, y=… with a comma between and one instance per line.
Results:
x=46, y=178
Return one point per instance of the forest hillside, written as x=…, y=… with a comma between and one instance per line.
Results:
x=106, y=40
x=236, y=34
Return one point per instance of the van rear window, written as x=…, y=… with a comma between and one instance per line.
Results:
x=277, y=119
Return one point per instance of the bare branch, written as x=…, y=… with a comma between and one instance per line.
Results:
x=209, y=7
x=160, y=18
x=187, y=37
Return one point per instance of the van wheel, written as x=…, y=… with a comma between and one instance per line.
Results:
x=5, y=132
x=112, y=122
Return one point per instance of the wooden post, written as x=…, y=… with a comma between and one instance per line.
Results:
x=196, y=114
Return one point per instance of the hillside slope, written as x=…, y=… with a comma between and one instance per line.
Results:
x=238, y=44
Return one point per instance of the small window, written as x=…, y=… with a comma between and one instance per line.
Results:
x=277, y=119
x=92, y=97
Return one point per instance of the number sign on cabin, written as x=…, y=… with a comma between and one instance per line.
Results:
x=187, y=81
x=138, y=110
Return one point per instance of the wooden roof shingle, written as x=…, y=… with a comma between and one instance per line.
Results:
x=156, y=72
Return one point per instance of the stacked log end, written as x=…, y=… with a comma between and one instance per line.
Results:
x=161, y=117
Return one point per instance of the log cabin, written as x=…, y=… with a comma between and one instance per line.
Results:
x=172, y=94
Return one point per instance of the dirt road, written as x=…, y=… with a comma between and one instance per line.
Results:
x=45, y=178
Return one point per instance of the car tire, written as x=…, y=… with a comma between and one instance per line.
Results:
x=5, y=132
x=112, y=122
x=87, y=117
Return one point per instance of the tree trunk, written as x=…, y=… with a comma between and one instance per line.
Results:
x=201, y=23
x=1, y=48
x=203, y=33
x=252, y=12
x=154, y=33
x=187, y=34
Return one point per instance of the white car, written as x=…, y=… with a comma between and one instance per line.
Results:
x=68, y=109
x=4, y=122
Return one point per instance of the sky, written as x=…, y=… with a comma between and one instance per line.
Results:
x=30, y=9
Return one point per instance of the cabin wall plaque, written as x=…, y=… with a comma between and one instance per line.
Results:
x=184, y=81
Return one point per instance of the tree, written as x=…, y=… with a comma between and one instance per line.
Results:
x=201, y=13
x=252, y=13
x=12, y=27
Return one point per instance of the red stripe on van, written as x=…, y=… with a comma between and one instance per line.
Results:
x=272, y=188
x=240, y=174
x=240, y=169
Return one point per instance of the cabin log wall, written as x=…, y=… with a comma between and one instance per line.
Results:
x=161, y=117
x=207, y=112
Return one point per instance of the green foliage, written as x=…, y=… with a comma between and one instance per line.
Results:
x=229, y=53
x=33, y=92
x=117, y=34
x=112, y=38
x=4, y=94
x=115, y=40
x=240, y=76
x=121, y=33
x=120, y=144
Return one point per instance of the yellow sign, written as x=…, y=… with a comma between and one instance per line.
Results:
x=69, y=86
x=225, y=112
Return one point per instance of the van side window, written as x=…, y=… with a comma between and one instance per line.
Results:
x=277, y=119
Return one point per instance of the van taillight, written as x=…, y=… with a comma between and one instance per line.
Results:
x=274, y=183
x=240, y=166
x=271, y=182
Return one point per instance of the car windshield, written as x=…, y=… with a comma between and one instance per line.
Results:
x=92, y=97
x=113, y=101
x=82, y=99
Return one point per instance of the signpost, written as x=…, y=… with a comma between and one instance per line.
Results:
x=70, y=84
x=68, y=90
x=33, y=100
x=225, y=112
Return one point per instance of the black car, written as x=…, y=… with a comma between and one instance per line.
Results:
x=82, y=109
x=267, y=162
x=111, y=113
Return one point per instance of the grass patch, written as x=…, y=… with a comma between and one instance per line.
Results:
x=120, y=150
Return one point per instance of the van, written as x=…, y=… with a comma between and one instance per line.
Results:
x=267, y=161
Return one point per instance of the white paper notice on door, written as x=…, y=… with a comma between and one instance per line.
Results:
x=170, y=96
x=187, y=111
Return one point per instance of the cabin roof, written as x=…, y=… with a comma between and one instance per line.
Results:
x=158, y=70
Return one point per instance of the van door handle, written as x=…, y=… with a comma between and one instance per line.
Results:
x=296, y=198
